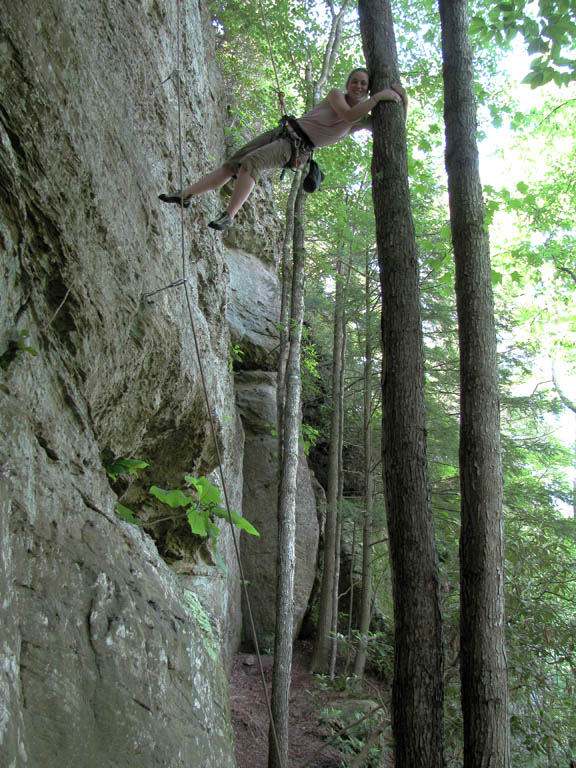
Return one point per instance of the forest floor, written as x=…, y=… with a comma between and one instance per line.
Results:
x=309, y=735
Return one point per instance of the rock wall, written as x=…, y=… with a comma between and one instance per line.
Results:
x=115, y=639
x=256, y=397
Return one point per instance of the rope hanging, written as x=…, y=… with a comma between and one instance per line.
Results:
x=207, y=399
x=281, y=93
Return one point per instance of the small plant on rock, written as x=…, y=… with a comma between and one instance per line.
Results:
x=202, y=502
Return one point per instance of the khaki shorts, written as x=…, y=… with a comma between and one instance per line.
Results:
x=263, y=152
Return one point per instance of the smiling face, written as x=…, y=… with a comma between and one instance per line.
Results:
x=357, y=86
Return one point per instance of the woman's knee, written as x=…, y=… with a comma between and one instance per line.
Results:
x=248, y=172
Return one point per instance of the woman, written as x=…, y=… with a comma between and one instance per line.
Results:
x=335, y=117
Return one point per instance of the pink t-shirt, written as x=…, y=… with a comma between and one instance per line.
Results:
x=324, y=126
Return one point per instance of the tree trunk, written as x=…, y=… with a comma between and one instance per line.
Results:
x=335, y=596
x=351, y=601
x=286, y=277
x=338, y=551
x=289, y=432
x=417, y=693
x=278, y=740
x=482, y=629
x=569, y=403
x=366, y=595
x=321, y=655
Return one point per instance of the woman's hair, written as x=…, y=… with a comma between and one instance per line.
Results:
x=358, y=69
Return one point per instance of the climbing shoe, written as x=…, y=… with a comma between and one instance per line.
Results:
x=222, y=222
x=175, y=197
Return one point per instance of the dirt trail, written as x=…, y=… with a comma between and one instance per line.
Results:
x=250, y=714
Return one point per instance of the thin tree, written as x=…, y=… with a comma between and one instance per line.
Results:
x=417, y=691
x=569, y=403
x=340, y=496
x=482, y=629
x=289, y=440
x=321, y=654
x=289, y=419
x=366, y=593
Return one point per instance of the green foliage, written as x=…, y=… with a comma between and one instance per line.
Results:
x=118, y=467
x=210, y=643
x=309, y=437
x=21, y=343
x=548, y=28
x=16, y=344
x=202, y=502
x=352, y=722
x=127, y=515
x=235, y=355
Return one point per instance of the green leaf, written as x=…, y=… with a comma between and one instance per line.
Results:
x=219, y=561
x=477, y=25
x=237, y=519
x=124, y=467
x=127, y=515
x=197, y=520
x=30, y=350
x=172, y=498
x=241, y=522
x=207, y=492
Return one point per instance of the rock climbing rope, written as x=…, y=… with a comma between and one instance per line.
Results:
x=184, y=280
x=281, y=94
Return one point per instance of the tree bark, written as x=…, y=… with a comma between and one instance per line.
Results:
x=366, y=594
x=289, y=419
x=321, y=654
x=279, y=740
x=286, y=290
x=482, y=628
x=417, y=693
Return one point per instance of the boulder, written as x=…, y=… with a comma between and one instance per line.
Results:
x=256, y=398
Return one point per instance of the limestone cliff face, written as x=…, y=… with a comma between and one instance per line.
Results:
x=115, y=639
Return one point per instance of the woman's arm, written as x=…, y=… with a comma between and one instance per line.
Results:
x=365, y=125
x=337, y=100
x=404, y=96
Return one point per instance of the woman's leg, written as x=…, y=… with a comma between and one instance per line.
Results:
x=213, y=180
x=242, y=188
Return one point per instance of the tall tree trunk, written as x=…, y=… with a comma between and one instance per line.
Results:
x=286, y=290
x=417, y=693
x=366, y=595
x=351, y=601
x=482, y=629
x=289, y=432
x=569, y=403
x=335, y=596
x=278, y=741
x=338, y=549
x=321, y=654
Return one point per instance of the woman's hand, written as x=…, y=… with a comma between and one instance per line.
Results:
x=388, y=94
x=395, y=94
x=403, y=95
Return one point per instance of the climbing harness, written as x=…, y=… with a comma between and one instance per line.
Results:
x=301, y=144
x=302, y=153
